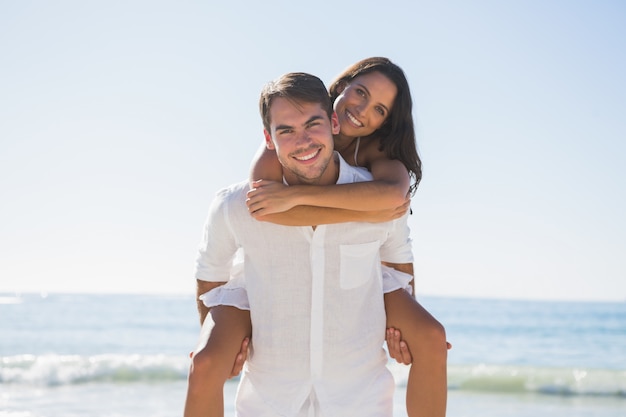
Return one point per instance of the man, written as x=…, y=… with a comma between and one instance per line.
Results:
x=315, y=293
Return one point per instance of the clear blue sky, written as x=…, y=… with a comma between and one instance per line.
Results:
x=120, y=119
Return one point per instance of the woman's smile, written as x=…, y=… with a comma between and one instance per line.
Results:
x=352, y=119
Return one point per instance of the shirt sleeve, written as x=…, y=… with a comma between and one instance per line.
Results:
x=218, y=246
x=398, y=247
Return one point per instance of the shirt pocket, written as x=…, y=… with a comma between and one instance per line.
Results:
x=358, y=263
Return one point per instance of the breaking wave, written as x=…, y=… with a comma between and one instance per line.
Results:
x=56, y=370
x=527, y=379
x=53, y=370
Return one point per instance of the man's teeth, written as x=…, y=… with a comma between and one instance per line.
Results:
x=306, y=157
x=353, y=119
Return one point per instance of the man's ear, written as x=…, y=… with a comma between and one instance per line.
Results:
x=269, y=143
x=334, y=123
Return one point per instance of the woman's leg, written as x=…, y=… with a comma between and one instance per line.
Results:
x=426, y=391
x=221, y=338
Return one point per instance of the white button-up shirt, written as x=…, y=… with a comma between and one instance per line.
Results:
x=316, y=304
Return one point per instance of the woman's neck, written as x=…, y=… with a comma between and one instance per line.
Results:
x=343, y=142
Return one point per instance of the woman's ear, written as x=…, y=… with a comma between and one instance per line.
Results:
x=341, y=85
x=269, y=143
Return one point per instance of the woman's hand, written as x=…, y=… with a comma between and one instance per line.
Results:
x=267, y=197
x=388, y=215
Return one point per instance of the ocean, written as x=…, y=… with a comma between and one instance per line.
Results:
x=65, y=355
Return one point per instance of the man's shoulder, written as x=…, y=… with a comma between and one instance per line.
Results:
x=233, y=190
x=232, y=194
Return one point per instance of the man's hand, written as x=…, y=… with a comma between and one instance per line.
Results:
x=397, y=347
x=241, y=357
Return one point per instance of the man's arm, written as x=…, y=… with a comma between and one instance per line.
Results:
x=396, y=346
x=217, y=248
x=398, y=303
x=201, y=288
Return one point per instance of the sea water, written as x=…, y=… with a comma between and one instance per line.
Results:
x=64, y=355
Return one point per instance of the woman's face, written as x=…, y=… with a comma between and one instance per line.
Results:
x=364, y=104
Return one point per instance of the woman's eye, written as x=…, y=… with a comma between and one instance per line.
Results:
x=381, y=111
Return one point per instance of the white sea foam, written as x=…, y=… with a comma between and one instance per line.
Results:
x=53, y=370
x=528, y=379
x=57, y=370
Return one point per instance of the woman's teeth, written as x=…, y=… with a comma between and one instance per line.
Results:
x=353, y=119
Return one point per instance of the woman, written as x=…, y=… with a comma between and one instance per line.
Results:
x=373, y=104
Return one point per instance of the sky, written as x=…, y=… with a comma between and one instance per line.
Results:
x=119, y=120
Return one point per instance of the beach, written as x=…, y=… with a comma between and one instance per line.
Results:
x=127, y=355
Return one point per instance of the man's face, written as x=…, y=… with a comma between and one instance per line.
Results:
x=302, y=136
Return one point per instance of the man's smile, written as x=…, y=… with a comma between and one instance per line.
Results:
x=307, y=156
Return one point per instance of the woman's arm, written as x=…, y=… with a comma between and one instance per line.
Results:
x=313, y=216
x=383, y=199
x=388, y=189
x=265, y=165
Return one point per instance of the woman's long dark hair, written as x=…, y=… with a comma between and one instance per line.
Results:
x=397, y=135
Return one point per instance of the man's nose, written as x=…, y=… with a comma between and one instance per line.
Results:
x=303, y=138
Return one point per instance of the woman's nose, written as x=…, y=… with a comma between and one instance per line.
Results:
x=361, y=109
